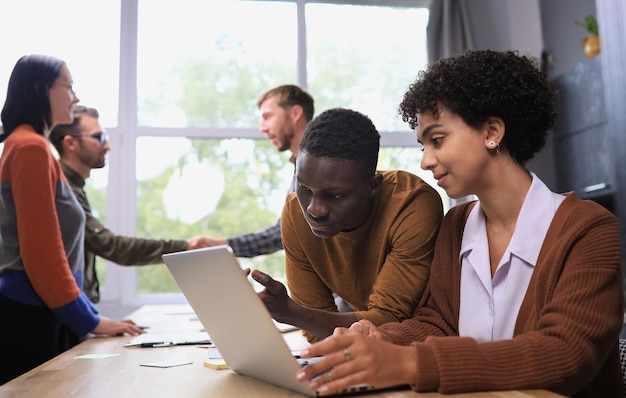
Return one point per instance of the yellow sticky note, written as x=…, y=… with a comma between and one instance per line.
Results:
x=215, y=364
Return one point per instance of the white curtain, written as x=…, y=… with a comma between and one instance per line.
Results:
x=448, y=32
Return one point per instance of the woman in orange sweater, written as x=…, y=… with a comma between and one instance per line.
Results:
x=525, y=289
x=43, y=310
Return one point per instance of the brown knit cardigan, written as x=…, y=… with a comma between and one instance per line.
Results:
x=567, y=329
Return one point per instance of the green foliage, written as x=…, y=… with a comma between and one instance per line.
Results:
x=590, y=24
x=243, y=206
x=218, y=92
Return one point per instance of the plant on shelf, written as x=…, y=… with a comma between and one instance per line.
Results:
x=591, y=43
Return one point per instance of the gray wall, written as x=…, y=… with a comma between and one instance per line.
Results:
x=561, y=35
x=531, y=26
x=561, y=38
x=507, y=25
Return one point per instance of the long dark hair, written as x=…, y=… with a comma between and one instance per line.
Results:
x=27, y=95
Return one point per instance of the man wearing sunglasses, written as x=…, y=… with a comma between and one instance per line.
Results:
x=83, y=146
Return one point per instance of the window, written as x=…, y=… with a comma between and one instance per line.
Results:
x=67, y=29
x=206, y=65
x=180, y=105
x=209, y=186
x=364, y=57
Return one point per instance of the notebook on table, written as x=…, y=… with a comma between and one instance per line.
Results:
x=234, y=316
x=168, y=339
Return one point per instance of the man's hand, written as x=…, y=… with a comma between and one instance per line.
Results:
x=274, y=296
x=201, y=241
x=317, y=322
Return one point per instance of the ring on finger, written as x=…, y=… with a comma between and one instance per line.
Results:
x=346, y=352
x=329, y=375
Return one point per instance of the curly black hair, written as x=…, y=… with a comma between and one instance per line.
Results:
x=343, y=134
x=484, y=83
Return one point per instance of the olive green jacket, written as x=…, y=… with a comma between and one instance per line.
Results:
x=122, y=250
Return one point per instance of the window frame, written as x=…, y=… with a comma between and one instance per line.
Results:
x=120, y=285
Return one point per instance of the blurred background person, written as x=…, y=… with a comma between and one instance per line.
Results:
x=285, y=112
x=82, y=146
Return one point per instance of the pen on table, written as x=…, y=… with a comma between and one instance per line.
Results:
x=157, y=344
x=143, y=327
x=151, y=344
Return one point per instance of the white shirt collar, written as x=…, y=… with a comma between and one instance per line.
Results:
x=532, y=224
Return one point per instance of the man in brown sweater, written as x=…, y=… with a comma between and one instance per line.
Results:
x=366, y=235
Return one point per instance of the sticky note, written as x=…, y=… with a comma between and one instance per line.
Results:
x=214, y=353
x=168, y=363
x=96, y=356
x=215, y=364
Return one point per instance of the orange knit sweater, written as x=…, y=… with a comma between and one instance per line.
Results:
x=41, y=232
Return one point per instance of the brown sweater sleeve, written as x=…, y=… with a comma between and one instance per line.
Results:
x=437, y=314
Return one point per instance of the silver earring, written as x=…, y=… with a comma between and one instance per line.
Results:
x=492, y=144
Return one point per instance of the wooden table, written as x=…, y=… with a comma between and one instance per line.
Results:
x=121, y=375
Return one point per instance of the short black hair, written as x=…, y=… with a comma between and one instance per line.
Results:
x=484, y=83
x=61, y=130
x=27, y=100
x=343, y=134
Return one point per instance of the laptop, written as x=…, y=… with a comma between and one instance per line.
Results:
x=236, y=319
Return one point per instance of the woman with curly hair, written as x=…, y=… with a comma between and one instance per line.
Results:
x=525, y=290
